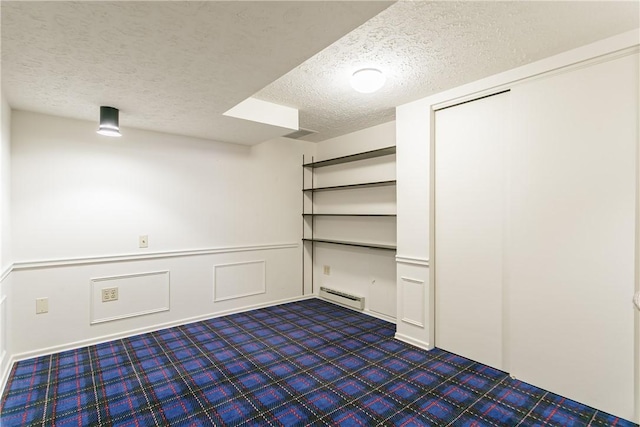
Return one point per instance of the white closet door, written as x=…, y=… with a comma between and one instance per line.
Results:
x=572, y=234
x=469, y=214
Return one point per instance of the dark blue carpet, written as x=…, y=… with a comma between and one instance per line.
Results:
x=304, y=363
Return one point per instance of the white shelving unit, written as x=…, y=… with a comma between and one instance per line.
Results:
x=317, y=217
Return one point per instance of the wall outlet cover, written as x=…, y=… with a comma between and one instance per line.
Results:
x=42, y=305
x=109, y=294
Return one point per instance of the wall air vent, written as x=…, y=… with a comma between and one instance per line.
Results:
x=300, y=133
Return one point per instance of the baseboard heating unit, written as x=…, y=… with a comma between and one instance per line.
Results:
x=348, y=300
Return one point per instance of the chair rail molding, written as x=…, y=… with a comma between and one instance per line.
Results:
x=403, y=259
x=6, y=272
x=64, y=262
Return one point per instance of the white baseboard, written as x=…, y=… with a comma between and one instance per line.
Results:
x=365, y=311
x=4, y=373
x=380, y=316
x=414, y=342
x=125, y=334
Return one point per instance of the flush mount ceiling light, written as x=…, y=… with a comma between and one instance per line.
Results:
x=367, y=80
x=109, y=122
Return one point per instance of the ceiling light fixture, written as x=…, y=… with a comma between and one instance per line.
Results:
x=367, y=80
x=109, y=125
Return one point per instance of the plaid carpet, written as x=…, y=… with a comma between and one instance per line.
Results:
x=302, y=363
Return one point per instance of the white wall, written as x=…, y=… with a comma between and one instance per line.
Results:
x=415, y=295
x=5, y=187
x=414, y=123
x=360, y=271
x=79, y=194
x=414, y=131
x=372, y=138
x=80, y=201
x=5, y=238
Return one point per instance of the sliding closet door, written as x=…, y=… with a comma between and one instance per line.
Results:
x=469, y=215
x=572, y=228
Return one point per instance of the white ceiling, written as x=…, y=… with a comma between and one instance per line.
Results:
x=177, y=67
x=427, y=47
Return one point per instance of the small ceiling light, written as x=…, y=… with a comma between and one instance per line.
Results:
x=109, y=122
x=367, y=80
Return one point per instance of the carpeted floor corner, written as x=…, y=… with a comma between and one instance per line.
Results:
x=303, y=363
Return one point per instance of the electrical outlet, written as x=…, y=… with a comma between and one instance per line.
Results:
x=327, y=270
x=42, y=305
x=143, y=241
x=109, y=294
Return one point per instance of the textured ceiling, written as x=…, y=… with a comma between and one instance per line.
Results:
x=427, y=47
x=177, y=66
x=170, y=66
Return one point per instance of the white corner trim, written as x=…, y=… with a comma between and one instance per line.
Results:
x=414, y=342
x=6, y=273
x=412, y=260
x=64, y=262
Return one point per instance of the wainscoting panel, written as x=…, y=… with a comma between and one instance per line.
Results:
x=179, y=280
x=3, y=328
x=138, y=294
x=412, y=309
x=239, y=280
x=415, y=307
x=6, y=348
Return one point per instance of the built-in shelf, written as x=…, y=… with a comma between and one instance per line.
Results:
x=308, y=194
x=357, y=244
x=353, y=157
x=350, y=186
x=327, y=214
